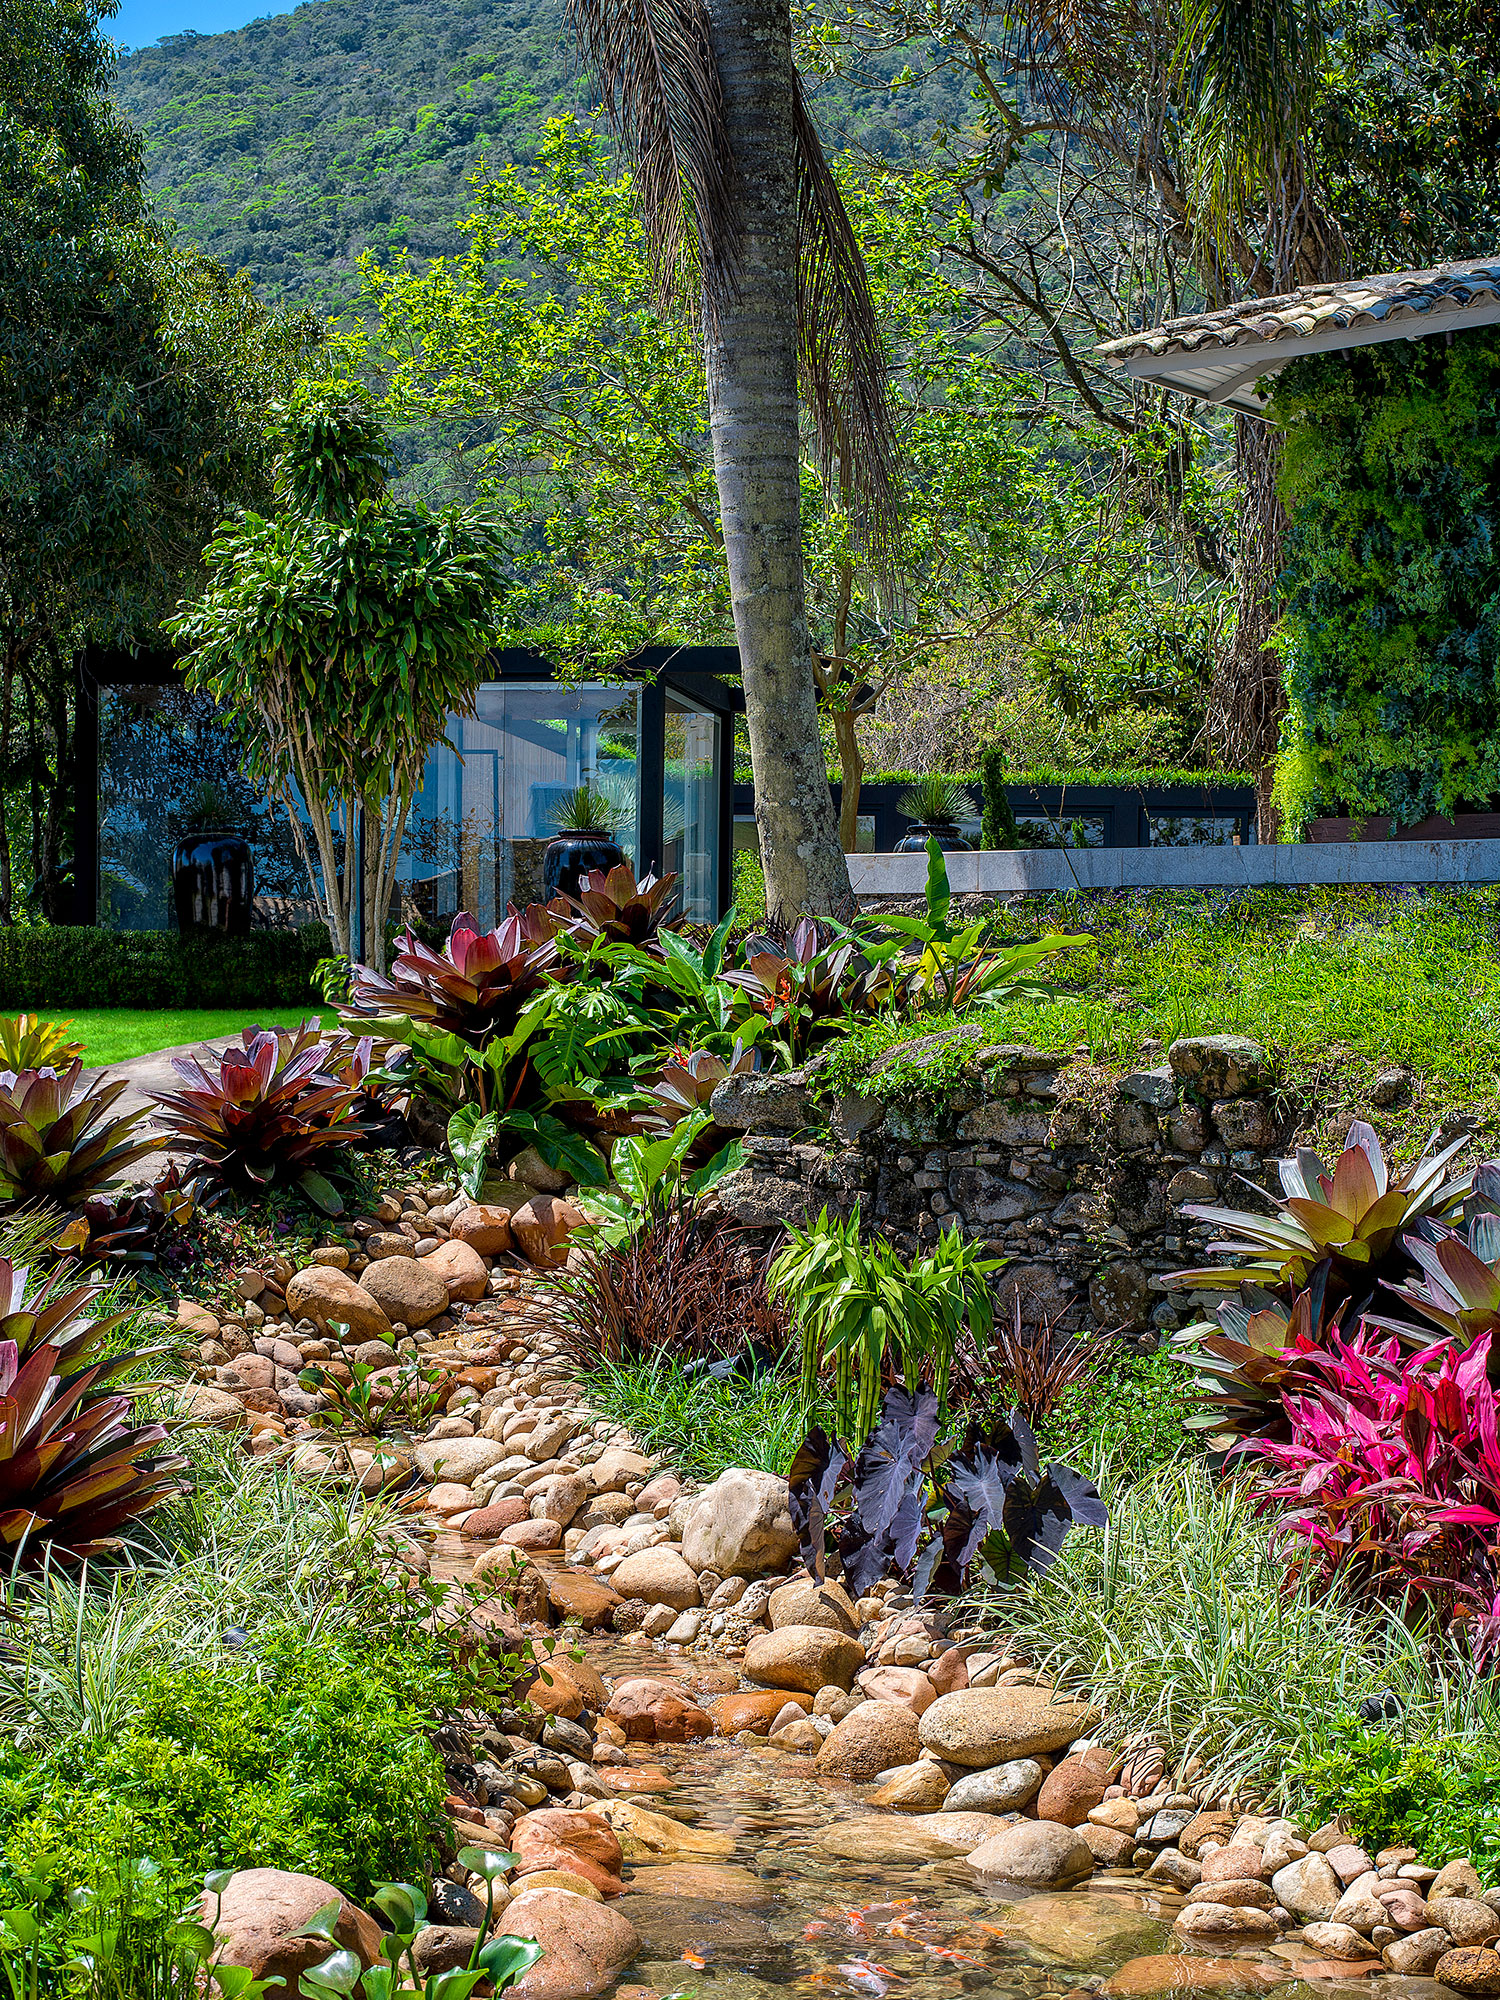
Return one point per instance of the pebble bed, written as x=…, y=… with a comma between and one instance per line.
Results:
x=816, y=1747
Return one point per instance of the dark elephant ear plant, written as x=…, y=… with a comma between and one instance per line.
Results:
x=944, y=1519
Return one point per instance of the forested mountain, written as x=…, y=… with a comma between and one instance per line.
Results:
x=288, y=147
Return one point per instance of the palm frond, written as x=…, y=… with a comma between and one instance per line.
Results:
x=654, y=64
x=840, y=354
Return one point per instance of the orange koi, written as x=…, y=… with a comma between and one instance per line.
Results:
x=692, y=1958
x=867, y=1977
x=958, y=1957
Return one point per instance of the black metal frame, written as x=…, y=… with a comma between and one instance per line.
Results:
x=696, y=672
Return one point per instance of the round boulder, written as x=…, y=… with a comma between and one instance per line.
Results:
x=660, y=1576
x=803, y=1657
x=657, y=1712
x=754, y=1709
x=585, y=1945
x=1036, y=1854
x=261, y=1912
x=980, y=1727
x=876, y=1736
x=460, y=1268
x=1003, y=1788
x=330, y=1298
x=1072, y=1789
x=741, y=1525
x=405, y=1289
x=803, y=1602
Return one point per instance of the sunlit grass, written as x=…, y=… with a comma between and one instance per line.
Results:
x=115, y=1034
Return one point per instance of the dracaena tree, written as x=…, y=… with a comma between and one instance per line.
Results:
x=340, y=634
x=733, y=186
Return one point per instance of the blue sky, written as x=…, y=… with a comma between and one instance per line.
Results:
x=140, y=22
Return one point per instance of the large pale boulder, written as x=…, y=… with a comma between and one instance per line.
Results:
x=541, y=1228
x=907, y=1685
x=660, y=1576
x=1035, y=1854
x=260, y=1913
x=876, y=1736
x=741, y=1525
x=585, y=1945
x=805, y=1657
x=1003, y=1788
x=405, y=1289
x=984, y=1726
x=331, y=1298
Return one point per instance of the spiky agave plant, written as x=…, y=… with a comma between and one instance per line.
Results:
x=936, y=800
x=1351, y=1218
x=73, y=1468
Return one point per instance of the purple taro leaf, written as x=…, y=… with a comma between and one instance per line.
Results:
x=863, y=1556
x=1064, y=1500
x=811, y=1484
x=980, y=1475
x=906, y=1529
x=1031, y=1462
x=899, y=1444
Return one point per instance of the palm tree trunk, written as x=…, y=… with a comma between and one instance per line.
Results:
x=750, y=349
x=1247, y=700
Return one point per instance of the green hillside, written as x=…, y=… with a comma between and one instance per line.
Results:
x=288, y=147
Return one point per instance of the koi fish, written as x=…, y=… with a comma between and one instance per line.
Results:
x=958, y=1957
x=867, y=1977
x=692, y=1958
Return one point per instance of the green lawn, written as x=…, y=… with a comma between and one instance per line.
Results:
x=114, y=1034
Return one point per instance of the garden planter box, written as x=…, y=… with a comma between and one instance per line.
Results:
x=1468, y=826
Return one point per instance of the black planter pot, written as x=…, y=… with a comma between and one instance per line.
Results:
x=948, y=838
x=571, y=856
x=213, y=885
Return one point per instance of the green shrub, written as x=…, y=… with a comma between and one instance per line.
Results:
x=998, y=828
x=67, y=965
x=915, y=1068
x=1128, y=1417
x=701, y=1425
x=1436, y=1794
x=1392, y=630
x=309, y=1752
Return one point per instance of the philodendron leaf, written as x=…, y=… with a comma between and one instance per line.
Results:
x=403, y=1906
x=471, y=1133
x=504, y=1959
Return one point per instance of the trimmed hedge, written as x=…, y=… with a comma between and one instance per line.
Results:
x=68, y=965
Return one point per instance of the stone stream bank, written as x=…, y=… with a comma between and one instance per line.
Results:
x=844, y=1795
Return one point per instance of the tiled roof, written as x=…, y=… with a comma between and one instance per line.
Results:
x=1258, y=336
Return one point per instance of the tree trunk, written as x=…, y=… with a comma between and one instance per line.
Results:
x=851, y=775
x=1248, y=699
x=751, y=356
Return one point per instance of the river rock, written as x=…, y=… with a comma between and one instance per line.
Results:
x=917, y=1788
x=1001, y=1789
x=754, y=1709
x=458, y=1459
x=1074, y=1787
x=660, y=1576
x=260, y=1913
x=1238, y=1862
x=484, y=1226
x=1341, y=1941
x=803, y=1602
x=1250, y=1894
x=483, y=1524
x=574, y=1593
x=908, y=1686
x=1109, y=1848
x=1466, y=1919
x=331, y=1298
x=586, y=1946
x=1221, y=1922
x=1457, y=1878
x=1172, y=1870
x=1216, y=1826
x=804, y=1657
x=1181, y=1972
x=643, y=1833
x=1034, y=1854
x=981, y=1727
x=540, y=1229
x=405, y=1289
x=459, y=1268
x=444, y=1947
x=587, y=1833
x=1081, y=1929
x=741, y=1525
x=207, y=1405
x=1470, y=1968
x=1308, y=1888
x=550, y=1857
x=657, y=1712
x=1417, y=1954
x=896, y=1839
x=875, y=1737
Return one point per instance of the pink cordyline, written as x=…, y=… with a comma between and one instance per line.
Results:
x=1392, y=1475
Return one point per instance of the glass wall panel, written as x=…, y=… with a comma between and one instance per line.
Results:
x=481, y=822
x=168, y=766
x=690, y=807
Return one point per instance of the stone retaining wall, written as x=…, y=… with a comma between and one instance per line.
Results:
x=1073, y=1173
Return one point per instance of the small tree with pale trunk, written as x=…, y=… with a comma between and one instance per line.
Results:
x=339, y=636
